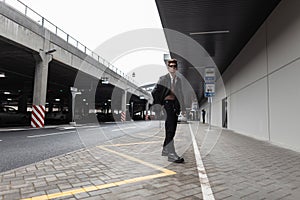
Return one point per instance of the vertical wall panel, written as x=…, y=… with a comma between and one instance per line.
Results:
x=263, y=80
x=251, y=63
x=283, y=34
x=248, y=111
x=284, y=106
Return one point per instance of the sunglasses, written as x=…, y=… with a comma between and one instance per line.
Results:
x=173, y=66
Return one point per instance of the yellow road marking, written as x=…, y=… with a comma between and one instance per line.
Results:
x=152, y=136
x=139, y=161
x=165, y=171
x=128, y=144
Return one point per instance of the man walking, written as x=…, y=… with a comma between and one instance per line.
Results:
x=168, y=92
x=203, y=116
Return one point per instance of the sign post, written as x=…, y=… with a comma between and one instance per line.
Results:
x=209, y=88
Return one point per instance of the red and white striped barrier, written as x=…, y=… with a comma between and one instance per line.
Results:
x=37, y=116
x=123, y=116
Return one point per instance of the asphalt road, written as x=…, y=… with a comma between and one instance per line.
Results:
x=23, y=147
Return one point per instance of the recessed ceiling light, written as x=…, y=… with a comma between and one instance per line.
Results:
x=209, y=32
x=2, y=75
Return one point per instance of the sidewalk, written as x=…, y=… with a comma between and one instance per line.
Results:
x=130, y=167
x=240, y=167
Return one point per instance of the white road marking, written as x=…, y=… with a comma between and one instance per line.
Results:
x=66, y=128
x=204, y=182
x=50, y=134
x=121, y=128
x=93, y=129
x=13, y=129
x=84, y=126
x=52, y=126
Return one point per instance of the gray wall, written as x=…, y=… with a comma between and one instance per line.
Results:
x=262, y=83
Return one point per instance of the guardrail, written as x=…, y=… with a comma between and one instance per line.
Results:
x=28, y=12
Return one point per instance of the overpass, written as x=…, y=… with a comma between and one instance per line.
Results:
x=40, y=63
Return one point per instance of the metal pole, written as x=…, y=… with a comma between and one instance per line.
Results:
x=210, y=102
x=132, y=110
x=74, y=92
x=73, y=106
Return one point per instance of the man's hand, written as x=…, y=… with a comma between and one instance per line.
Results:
x=151, y=100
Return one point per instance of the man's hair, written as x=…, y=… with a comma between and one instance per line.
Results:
x=172, y=61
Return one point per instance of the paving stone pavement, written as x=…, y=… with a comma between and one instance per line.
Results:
x=131, y=167
x=118, y=169
x=240, y=167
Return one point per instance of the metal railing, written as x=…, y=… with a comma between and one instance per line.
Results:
x=33, y=15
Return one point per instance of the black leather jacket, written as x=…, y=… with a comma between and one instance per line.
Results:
x=162, y=89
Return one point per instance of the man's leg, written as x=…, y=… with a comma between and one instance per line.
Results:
x=170, y=127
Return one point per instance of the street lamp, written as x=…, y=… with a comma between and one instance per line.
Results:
x=74, y=92
x=51, y=51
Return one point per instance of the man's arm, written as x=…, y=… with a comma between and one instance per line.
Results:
x=182, y=104
x=157, y=92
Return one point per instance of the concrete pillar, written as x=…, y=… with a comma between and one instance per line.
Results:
x=123, y=106
x=124, y=102
x=40, y=89
x=40, y=82
x=41, y=78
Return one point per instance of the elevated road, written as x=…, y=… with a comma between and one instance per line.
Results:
x=40, y=63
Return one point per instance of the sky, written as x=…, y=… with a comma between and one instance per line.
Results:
x=93, y=22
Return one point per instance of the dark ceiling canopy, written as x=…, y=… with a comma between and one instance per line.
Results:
x=222, y=27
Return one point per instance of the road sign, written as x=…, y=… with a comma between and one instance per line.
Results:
x=210, y=75
x=209, y=90
x=210, y=78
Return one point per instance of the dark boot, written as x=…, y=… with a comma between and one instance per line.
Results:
x=173, y=157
